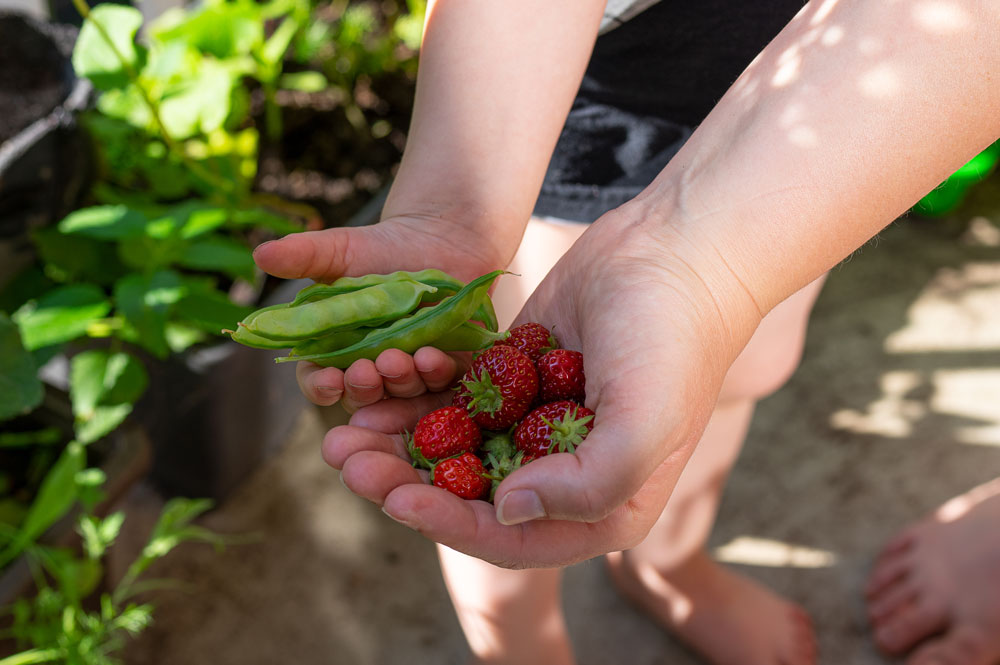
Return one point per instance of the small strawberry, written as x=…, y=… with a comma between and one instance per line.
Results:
x=560, y=376
x=502, y=458
x=499, y=388
x=531, y=339
x=446, y=432
x=556, y=427
x=463, y=476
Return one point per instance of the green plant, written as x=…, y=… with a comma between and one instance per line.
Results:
x=59, y=626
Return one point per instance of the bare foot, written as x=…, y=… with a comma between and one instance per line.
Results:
x=725, y=617
x=935, y=588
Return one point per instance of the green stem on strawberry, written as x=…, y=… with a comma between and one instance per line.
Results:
x=568, y=432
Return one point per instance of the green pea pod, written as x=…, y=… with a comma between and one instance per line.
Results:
x=445, y=284
x=468, y=337
x=371, y=306
x=332, y=342
x=412, y=332
x=243, y=335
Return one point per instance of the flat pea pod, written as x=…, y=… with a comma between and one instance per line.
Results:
x=412, y=332
x=445, y=284
x=243, y=335
x=371, y=306
x=332, y=342
x=468, y=337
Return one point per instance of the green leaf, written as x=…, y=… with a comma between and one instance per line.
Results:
x=34, y=657
x=187, y=220
x=25, y=285
x=103, y=388
x=48, y=436
x=110, y=222
x=263, y=219
x=146, y=303
x=219, y=254
x=20, y=388
x=106, y=63
x=54, y=499
x=274, y=49
x=225, y=30
x=181, y=336
x=72, y=258
x=61, y=315
x=199, y=104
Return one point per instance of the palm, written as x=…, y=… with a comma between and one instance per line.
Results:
x=654, y=367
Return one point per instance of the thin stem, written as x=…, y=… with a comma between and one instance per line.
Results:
x=221, y=183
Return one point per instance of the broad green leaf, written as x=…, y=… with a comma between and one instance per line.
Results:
x=264, y=219
x=72, y=258
x=25, y=285
x=110, y=222
x=181, y=336
x=20, y=389
x=103, y=388
x=145, y=253
x=208, y=308
x=219, y=254
x=200, y=104
x=61, y=315
x=146, y=302
x=187, y=220
x=54, y=499
x=107, y=64
x=225, y=30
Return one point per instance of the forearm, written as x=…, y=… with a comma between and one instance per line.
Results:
x=851, y=114
x=495, y=84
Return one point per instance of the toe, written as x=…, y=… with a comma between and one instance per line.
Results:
x=887, y=571
x=960, y=646
x=891, y=599
x=915, y=621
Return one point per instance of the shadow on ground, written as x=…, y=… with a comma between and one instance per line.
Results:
x=889, y=415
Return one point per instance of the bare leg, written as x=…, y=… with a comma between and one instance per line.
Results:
x=935, y=588
x=515, y=616
x=725, y=617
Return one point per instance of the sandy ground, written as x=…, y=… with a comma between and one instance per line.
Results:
x=894, y=409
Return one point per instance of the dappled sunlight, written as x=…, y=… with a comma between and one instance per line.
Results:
x=941, y=18
x=754, y=551
x=970, y=395
x=892, y=415
x=953, y=312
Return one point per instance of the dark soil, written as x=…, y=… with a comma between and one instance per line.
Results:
x=326, y=161
x=34, y=76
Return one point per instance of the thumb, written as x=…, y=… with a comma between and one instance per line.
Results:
x=625, y=448
x=320, y=255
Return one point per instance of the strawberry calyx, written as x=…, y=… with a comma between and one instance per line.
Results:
x=567, y=432
x=420, y=460
x=484, y=395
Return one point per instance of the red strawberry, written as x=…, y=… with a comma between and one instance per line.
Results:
x=560, y=376
x=531, y=339
x=463, y=475
x=499, y=387
x=556, y=427
x=446, y=432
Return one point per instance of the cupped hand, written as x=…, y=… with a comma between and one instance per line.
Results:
x=658, y=322
x=400, y=242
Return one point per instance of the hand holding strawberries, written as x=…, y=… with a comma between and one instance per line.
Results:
x=658, y=326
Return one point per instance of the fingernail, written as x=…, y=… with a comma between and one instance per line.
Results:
x=389, y=376
x=329, y=391
x=263, y=244
x=357, y=387
x=398, y=519
x=519, y=506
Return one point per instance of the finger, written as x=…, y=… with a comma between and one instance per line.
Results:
x=362, y=386
x=392, y=416
x=373, y=475
x=342, y=442
x=399, y=376
x=322, y=386
x=437, y=369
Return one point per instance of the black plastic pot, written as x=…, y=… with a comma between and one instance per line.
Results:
x=45, y=158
